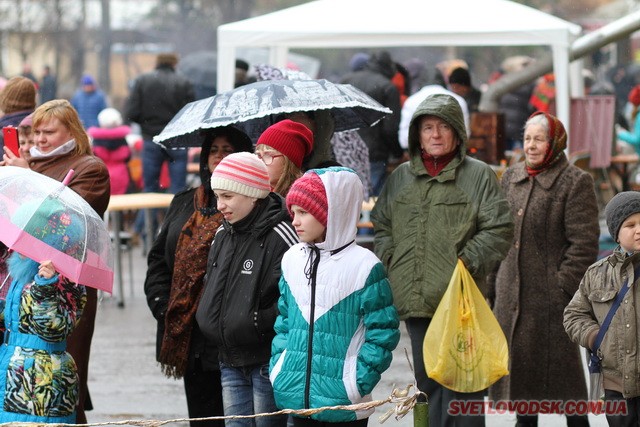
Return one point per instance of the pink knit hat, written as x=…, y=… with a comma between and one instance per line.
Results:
x=292, y=139
x=308, y=192
x=242, y=173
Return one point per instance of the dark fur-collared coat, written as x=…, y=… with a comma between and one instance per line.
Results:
x=555, y=240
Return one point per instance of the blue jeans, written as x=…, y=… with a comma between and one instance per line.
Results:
x=247, y=391
x=152, y=158
x=378, y=173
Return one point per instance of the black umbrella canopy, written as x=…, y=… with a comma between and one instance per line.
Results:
x=254, y=107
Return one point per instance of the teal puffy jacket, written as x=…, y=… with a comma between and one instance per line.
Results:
x=337, y=325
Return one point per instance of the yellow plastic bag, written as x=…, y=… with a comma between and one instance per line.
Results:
x=464, y=348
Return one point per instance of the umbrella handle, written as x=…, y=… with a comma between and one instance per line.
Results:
x=67, y=178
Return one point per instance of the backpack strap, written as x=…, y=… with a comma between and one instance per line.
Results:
x=594, y=360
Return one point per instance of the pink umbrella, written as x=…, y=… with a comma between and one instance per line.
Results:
x=43, y=219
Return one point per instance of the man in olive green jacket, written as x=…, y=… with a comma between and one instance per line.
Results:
x=439, y=207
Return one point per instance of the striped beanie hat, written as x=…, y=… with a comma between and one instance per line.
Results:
x=308, y=192
x=242, y=173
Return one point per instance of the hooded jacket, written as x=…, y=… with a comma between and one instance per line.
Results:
x=424, y=223
x=239, y=304
x=162, y=256
x=337, y=324
x=110, y=145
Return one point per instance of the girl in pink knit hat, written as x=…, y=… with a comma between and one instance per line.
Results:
x=337, y=325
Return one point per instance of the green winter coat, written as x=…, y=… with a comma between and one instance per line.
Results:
x=423, y=224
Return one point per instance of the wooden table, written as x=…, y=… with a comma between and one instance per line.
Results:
x=133, y=201
x=620, y=164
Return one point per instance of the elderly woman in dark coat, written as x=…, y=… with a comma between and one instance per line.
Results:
x=556, y=238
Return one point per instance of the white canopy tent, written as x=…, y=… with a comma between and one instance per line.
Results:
x=385, y=23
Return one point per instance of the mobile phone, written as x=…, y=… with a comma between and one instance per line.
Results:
x=10, y=135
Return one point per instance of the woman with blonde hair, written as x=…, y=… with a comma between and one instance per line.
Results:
x=282, y=147
x=61, y=144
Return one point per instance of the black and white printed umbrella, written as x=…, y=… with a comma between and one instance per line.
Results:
x=254, y=107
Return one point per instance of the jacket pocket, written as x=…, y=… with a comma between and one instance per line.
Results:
x=602, y=295
x=601, y=300
x=39, y=385
x=277, y=368
x=452, y=214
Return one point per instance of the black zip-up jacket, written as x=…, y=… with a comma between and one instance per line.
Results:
x=239, y=305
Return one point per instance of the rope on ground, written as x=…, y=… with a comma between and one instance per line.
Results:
x=401, y=398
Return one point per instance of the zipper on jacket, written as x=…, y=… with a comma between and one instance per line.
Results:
x=223, y=303
x=312, y=309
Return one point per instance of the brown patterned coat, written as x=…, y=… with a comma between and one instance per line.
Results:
x=555, y=241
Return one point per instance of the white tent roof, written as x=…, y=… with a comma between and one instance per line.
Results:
x=393, y=23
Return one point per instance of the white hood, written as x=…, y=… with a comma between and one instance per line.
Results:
x=344, y=200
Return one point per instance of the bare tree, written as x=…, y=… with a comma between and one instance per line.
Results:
x=104, y=76
x=192, y=24
x=79, y=39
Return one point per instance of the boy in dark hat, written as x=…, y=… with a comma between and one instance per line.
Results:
x=598, y=292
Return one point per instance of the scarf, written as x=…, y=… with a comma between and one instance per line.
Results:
x=557, y=144
x=65, y=148
x=187, y=284
x=435, y=165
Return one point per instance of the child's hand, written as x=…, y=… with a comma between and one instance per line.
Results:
x=46, y=270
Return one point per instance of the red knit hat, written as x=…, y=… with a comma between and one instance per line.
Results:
x=242, y=173
x=292, y=139
x=308, y=192
x=634, y=95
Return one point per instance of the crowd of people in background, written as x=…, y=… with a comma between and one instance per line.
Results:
x=259, y=258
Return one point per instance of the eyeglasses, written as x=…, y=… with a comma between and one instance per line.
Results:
x=267, y=158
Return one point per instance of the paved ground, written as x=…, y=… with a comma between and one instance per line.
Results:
x=126, y=383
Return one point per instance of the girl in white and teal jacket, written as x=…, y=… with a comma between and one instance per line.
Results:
x=337, y=325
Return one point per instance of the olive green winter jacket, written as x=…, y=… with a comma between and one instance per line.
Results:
x=423, y=224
